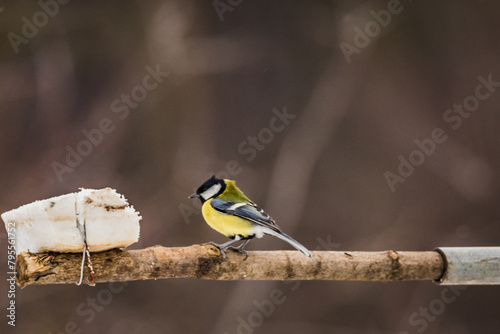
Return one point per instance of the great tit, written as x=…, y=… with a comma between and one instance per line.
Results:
x=227, y=210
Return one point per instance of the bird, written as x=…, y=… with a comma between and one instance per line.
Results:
x=230, y=212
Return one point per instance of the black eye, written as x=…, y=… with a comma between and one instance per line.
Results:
x=202, y=189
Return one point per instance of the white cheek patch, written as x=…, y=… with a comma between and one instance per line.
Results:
x=212, y=191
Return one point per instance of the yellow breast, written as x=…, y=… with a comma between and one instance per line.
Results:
x=225, y=224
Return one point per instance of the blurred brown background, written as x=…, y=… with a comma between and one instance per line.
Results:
x=321, y=176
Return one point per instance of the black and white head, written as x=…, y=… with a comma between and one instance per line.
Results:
x=209, y=189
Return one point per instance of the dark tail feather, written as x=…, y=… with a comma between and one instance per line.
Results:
x=290, y=240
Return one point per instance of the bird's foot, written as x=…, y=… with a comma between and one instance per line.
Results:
x=225, y=246
x=221, y=248
x=239, y=249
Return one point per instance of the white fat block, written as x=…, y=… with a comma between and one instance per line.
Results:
x=51, y=224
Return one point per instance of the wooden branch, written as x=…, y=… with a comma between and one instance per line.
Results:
x=204, y=262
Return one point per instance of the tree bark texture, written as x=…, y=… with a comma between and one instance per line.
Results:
x=204, y=262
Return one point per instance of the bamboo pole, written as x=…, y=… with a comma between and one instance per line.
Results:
x=204, y=262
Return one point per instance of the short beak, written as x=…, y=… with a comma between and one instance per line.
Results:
x=195, y=195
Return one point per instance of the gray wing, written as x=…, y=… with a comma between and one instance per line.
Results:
x=256, y=215
x=248, y=211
